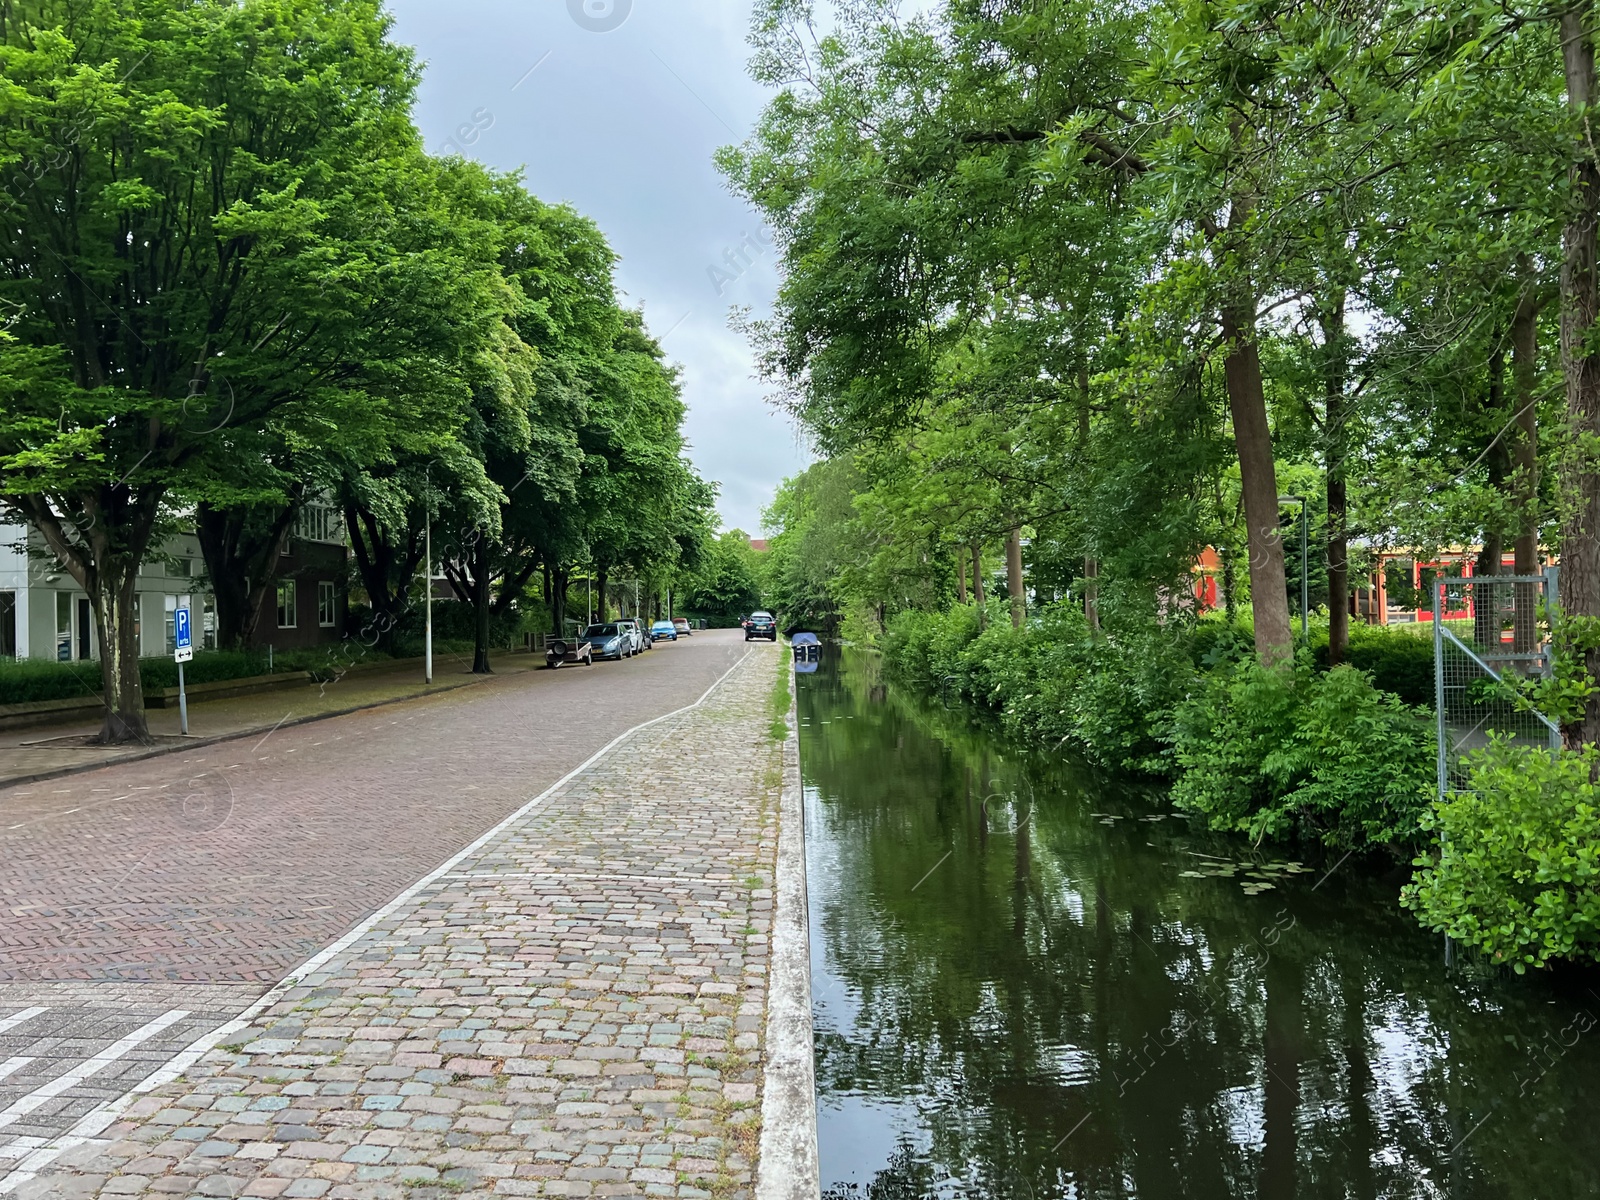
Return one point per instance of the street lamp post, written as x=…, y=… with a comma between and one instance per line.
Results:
x=427, y=583
x=1305, y=560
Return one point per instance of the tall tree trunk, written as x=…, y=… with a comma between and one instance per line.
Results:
x=1486, y=599
x=602, y=581
x=1525, y=462
x=558, y=600
x=961, y=576
x=1091, y=564
x=1091, y=592
x=388, y=569
x=114, y=599
x=1230, y=583
x=102, y=553
x=1258, y=478
x=977, y=582
x=1580, y=304
x=1336, y=448
x=243, y=551
x=1015, y=586
x=480, y=606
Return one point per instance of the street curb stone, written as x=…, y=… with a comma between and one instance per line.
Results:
x=789, y=1169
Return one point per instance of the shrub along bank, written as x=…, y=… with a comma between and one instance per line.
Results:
x=1343, y=756
x=1309, y=753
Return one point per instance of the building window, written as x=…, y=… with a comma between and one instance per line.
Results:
x=319, y=523
x=327, y=606
x=287, y=615
x=63, y=626
x=8, y=624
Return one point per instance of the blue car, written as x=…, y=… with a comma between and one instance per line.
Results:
x=610, y=640
x=664, y=631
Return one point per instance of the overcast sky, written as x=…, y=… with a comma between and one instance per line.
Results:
x=621, y=123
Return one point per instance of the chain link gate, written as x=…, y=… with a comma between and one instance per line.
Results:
x=1486, y=629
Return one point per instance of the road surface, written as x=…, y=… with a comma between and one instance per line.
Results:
x=149, y=903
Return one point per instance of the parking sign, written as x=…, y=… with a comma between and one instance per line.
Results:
x=181, y=636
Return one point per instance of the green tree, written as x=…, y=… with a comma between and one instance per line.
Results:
x=200, y=237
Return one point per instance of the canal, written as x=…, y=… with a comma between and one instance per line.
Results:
x=1030, y=981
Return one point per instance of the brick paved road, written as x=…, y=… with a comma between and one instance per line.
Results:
x=574, y=1009
x=234, y=864
x=223, y=869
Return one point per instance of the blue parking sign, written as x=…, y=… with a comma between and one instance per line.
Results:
x=180, y=629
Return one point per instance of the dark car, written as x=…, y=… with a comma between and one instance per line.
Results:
x=664, y=631
x=760, y=625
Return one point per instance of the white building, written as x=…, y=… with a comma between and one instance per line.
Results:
x=45, y=614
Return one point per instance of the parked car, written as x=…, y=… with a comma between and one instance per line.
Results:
x=637, y=632
x=561, y=652
x=664, y=630
x=681, y=624
x=760, y=625
x=610, y=640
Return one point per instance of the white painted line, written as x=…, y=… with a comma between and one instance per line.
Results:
x=491, y=876
x=95, y=1122
x=12, y=1065
x=20, y=1146
x=17, y=1018
x=89, y=1066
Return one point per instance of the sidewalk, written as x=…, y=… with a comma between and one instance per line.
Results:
x=576, y=1005
x=45, y=750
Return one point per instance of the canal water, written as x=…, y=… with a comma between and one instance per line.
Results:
x=1029, y=981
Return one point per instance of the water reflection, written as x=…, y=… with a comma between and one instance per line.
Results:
x=1031, y=982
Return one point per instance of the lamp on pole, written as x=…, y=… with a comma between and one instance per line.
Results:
x=427, y=582
x=1305, y=559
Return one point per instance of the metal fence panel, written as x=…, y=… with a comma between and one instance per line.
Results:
x=1488, y=630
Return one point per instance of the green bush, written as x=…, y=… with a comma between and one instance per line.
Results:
x=210, y=666
x=33, y=681
x=1398, y=657
x=1399, y=661
x=1515, y=865
x=1280, y=753
x=1054, y=682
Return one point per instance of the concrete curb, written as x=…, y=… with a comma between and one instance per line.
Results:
x=789, y=1169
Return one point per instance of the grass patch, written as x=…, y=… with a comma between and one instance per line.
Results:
x=778, y=701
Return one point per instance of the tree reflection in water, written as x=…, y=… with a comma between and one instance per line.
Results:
x=1031, y=981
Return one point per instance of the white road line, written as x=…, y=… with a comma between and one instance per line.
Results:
x=89, y=1066
x=94, y=1123
x=17, y=1018
x=494, y=876
x=12, y=1065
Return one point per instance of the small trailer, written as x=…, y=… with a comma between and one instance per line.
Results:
x=562, y=652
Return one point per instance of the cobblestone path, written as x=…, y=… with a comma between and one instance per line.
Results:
x=574, y=1008
x=234, y=863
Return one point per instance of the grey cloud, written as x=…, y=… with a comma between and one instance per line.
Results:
x=622, y=124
